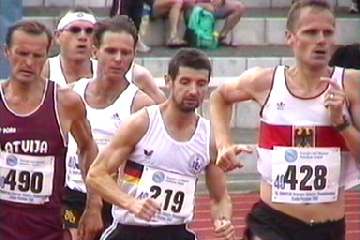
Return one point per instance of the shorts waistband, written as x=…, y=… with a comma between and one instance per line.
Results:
x=285, y=217
x=141, y=228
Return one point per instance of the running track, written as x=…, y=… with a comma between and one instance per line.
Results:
x=242, y=204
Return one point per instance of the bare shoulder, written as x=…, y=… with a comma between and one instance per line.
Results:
x=46, y=69
x=70, y=103
x=253, y=84
x=141, y=71
x=135, y=126
x=352, y=83
x=259, y=78
x=141, y=100
x=352, y=76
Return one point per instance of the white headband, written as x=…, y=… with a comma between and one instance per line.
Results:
x=71, y=17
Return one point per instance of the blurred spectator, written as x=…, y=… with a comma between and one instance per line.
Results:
x=354, y=7
x=10, y=12
x=230, y=10
x=347, y=56
x=173, y=9
x=134, y=9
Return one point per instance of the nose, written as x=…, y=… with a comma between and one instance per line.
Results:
x=321, y=37
x=193, y=89
x=118, y=56
x=83, y=35
x=29, y=60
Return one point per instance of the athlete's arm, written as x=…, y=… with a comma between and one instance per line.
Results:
x=221, y=207
x=73, y=117
x=145, y=81
x=253, y=84
x=141, y=100
x=352, y=133
x=111, y=158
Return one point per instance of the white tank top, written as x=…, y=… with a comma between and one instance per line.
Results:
x=284, y=114
x=165, y=169
x=104, y=123
x=57, y=75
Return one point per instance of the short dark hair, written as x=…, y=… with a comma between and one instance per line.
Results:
x=118, y=23
x=296, y=7
x=30, y=27
x=347, y=56
x=189, y=57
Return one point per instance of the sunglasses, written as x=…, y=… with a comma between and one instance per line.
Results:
x=77, y=30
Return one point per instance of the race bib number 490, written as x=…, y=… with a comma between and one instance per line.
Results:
x=26, y=179
x=173, y=191
x=305, y=175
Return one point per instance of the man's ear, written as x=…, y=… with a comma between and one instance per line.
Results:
x=5, y=50
x=94, y=52
x=167, y=79
x=289, y=37
x=56, y=37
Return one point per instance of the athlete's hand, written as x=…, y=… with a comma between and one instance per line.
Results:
x=224, y=229
x=145, y=208
x=227, y=156
x=335, y=101
x=90, y=224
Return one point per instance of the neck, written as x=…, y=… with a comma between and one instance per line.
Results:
x=24, y=90
x=308, y=78
x=176, y=117
x=77, y=68
x=102, y=92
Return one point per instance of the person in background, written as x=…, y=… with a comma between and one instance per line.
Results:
x=230, y=10
x=133, y=9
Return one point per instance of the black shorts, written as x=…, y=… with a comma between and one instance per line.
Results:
x=131, y=232
x=267, y=223
x=73, y=206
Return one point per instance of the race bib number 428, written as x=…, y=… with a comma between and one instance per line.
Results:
x=305, y=175
x=26, y=179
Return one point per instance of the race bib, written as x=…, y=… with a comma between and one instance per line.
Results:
x=305, y=175
x=173, y=191
x=26, y=179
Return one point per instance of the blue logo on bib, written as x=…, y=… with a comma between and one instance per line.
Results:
x=158, y=177
x=11, y=160
x=291, y=155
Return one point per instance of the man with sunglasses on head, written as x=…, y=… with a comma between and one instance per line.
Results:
x=74, y=35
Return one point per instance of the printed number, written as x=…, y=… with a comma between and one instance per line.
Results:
x=177, y=198
x=25, y=181
x=290, y=176
x=320, y=173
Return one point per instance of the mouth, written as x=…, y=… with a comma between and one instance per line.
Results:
x=26, y=72
x=191, y=101
x=320, y=52
x=82, y=48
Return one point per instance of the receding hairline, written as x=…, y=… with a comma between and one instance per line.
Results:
x=294, y=15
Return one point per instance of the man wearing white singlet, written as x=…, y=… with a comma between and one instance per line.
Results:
x=309, y=140
x=162, y=151
x=109, y=99
x=74, y=36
